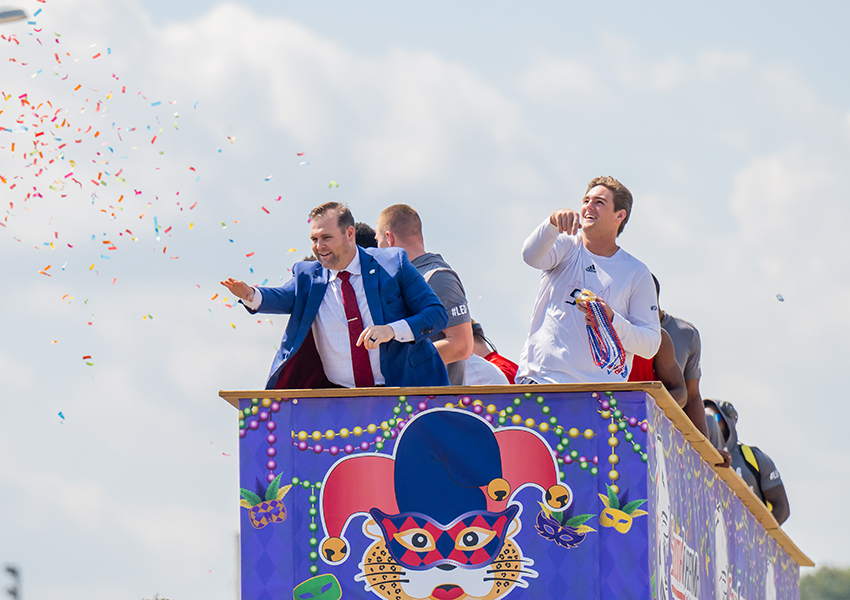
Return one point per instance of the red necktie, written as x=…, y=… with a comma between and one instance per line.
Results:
x=359, y=355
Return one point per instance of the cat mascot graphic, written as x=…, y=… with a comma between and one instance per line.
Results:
x=440, y=510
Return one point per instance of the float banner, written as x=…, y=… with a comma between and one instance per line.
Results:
x=705, y=542
x=524, y=494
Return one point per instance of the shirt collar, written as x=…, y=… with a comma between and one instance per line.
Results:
x=353, y=267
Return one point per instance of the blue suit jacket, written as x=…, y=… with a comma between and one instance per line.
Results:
x=394, y=290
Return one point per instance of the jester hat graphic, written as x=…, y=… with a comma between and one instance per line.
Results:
x=447, y=463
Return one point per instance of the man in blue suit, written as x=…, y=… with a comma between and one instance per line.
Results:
x=359, y=317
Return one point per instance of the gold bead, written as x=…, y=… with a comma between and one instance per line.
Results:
x=544, y=427
x=613, y=459
x=605, y=414
x=358, y=431
x=613, y=442
x=372, y=428
x=317, y=435
x=491, y=409
x=612, y=428
x=266, y=402
x=329, y=434
x=344, y=433
x=516, y=419
x=613, y=475
x=573, y=432
x=529, y=423
x=588, y=434
x=302, y=436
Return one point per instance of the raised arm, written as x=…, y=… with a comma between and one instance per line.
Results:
x=545, y=248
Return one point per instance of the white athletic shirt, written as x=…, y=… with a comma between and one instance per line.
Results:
x=557, y=348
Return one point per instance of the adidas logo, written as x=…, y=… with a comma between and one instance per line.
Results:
x=591, y=269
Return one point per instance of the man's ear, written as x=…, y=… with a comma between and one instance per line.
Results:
x=351, y=233
x=621, y=215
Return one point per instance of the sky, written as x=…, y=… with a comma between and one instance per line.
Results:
x=208, y=130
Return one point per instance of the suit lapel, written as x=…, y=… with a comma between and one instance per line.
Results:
x=369, y=272
x=318, y=286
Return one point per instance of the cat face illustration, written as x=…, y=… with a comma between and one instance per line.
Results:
x=475, y=557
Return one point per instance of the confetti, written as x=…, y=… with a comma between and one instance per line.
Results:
x=232, y=325
x=270, y=177
x=266, y=210
x=780, y=298
x=333, y=184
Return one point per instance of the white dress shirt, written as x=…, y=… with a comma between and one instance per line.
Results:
x=330, y=328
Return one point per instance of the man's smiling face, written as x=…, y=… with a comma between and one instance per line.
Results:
x=333, y=247
x=597, y=212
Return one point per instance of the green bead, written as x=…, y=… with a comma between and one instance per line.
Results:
x=509, y=410
x=554, y=421
x=565, y=441
x=314, y=556
x=644, y=457
x=636, y=448
x=402, y=399
x=583, y=466
x=613, y=402
x=561, y=475
x=314, y=542
x=629, y=436
x=408, y=409
x=313, y=569
x=546, y=410
x=255, y=401
x=560, y=447
x=517, y=401
x=609, y=394
x=396, y=410
x=379, y=445
x=313, y=511
x=295, y=481
x=305, y=484
x=618, y=414
x=594, y=471
x=574, y=454
x=527, y=394
x=540, y=400
x=241, y=423
x=387, y=434
x=621, y=425
x=502, y=420
x=313, y=499
x=560, y=461
x=246, y=412
x=318, y=485
x=312, y=527
x=392, y=422
x=559, y=431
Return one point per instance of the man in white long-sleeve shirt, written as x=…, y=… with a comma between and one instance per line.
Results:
x=577, y=251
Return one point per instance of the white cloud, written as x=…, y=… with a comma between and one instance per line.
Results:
x=564, y=82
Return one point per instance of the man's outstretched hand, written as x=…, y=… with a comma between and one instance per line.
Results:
x=238, y=288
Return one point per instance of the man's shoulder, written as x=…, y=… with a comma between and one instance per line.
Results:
x=385, y=255
x=672, y=322
x=310, y=267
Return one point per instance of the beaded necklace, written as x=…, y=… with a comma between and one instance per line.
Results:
x=605, y=346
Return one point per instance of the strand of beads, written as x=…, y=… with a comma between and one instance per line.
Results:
x=619, y=422
x=264, y=416
x=313, y=512
x=605, y=345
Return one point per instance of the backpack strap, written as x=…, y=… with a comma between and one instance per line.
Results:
x=752, y=463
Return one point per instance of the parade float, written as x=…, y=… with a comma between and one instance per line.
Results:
x=590, y=491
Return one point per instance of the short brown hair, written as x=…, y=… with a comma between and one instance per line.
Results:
x=343, y=215
x=402, y=220
x=622, y=196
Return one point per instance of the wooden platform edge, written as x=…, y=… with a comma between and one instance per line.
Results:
x=654, y=388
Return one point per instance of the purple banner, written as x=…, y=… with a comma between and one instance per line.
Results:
x=706, y=543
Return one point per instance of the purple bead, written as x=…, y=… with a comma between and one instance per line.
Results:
x=348, y=449
x=393, y=434
x=302, y=446
x=478, y=409
x=633, y=421
x=488, y=418
x=264, y=416
x=271, y=452
x=378, y=438
x=318, y=448
x=270, y=477
x=605, y=405
x=243, y=433
x=271, y=426
x=271, y=438
x=400, y=423
x=466, y=400
x=430, y=397
x=644, y=427
x=253, y=425
x=334, y=450
x=271, y=465
x=275, y=406
x=568, y=460
x=422, y=406
x=595, y=460
x=582, y=459
x=364, y=446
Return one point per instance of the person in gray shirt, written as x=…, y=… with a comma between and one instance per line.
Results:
x=399, y=226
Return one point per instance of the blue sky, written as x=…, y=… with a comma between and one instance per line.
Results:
x=729, y=123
